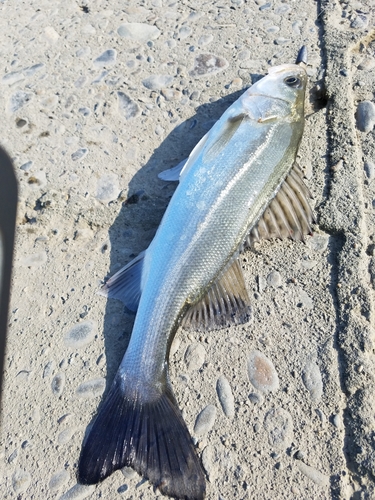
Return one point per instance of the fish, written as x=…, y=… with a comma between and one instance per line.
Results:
x=239, y=185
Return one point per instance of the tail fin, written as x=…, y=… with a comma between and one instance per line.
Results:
x=149, y=436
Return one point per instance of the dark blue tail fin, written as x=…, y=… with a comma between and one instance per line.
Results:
x=147, y=434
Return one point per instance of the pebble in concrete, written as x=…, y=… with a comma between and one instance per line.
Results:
x=365, y=116
x=195, y=355
x=91, y=389
x=157, y=82
x=79, y=154
x=80, y=335
x=34, y=259
x=127, y=107
x=58, y=480
x=21, y=480
x=208, y=64
x=225, y=395
x=139, y=32
x=369, y=167
x=107, y=188
x=78, y=492
x=58, y=384
x=261, y=372
x=205, y=420
x=313, y=474
x=18, y=100
x=312, y=380
x=274, y=279
x=107, y=58
x=279, y=425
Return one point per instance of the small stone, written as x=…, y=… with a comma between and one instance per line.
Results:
x=18, y=100
x=205, y=420
x=205, y=40
x=300, y=455
x=184, y=32
x=195, y=355
x=274, y=279
x=312, y=380
x=58, y=384
x=321, y=415
x=225, y=395
x=296, y=27
x=208, y=463
x=279, y=425
x=107, y=188
x=34, y=260
x=337, y=421
x=262, y=373
x=66, y=435
x=123, y=488
x=369, y=167
x=50, y=34
x=318, y=242
x=13, y=456
x=265, y=6
x=304, y=300
x=80, y=335
x=127, y=107
x=129, y=473
x=79, y=154
x=365, y=116
x=12, y=78
x=282, y=41
x=21, y=480
x=107, y=58
x=313, y=474
x=207, y=64
x=48, y=369
x=78, y=492
x=367, y=64
x=139, y=32
x=360, y=22
x=91, y=389
x=256, y=398
x=171, y=94
x=283, y=9
x=157, y=82
x=58, y=480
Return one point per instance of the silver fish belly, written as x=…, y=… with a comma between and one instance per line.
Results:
x=237, y=186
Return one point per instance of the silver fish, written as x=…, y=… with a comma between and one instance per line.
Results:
x=236, y=187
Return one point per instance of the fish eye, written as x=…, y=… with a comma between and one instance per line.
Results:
x=292, y=81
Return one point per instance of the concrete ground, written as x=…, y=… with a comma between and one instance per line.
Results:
x=97, y=98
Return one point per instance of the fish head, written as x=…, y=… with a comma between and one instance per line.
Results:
x=286, y=82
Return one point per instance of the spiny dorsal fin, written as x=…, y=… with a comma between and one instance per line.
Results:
x=288, y=215
x=225, y=303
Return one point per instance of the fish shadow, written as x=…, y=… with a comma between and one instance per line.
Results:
x=141, y=213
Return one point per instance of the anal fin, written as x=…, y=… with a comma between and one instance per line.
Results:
x=288, y=215
x=225, y=303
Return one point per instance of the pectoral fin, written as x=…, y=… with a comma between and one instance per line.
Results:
x=229, y=129
x=288, y=215
x=225, y=303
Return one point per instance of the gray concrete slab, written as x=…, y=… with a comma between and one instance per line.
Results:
x=97, y=98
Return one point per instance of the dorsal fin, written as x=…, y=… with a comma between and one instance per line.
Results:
x=225, y=303
x=288, y=215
